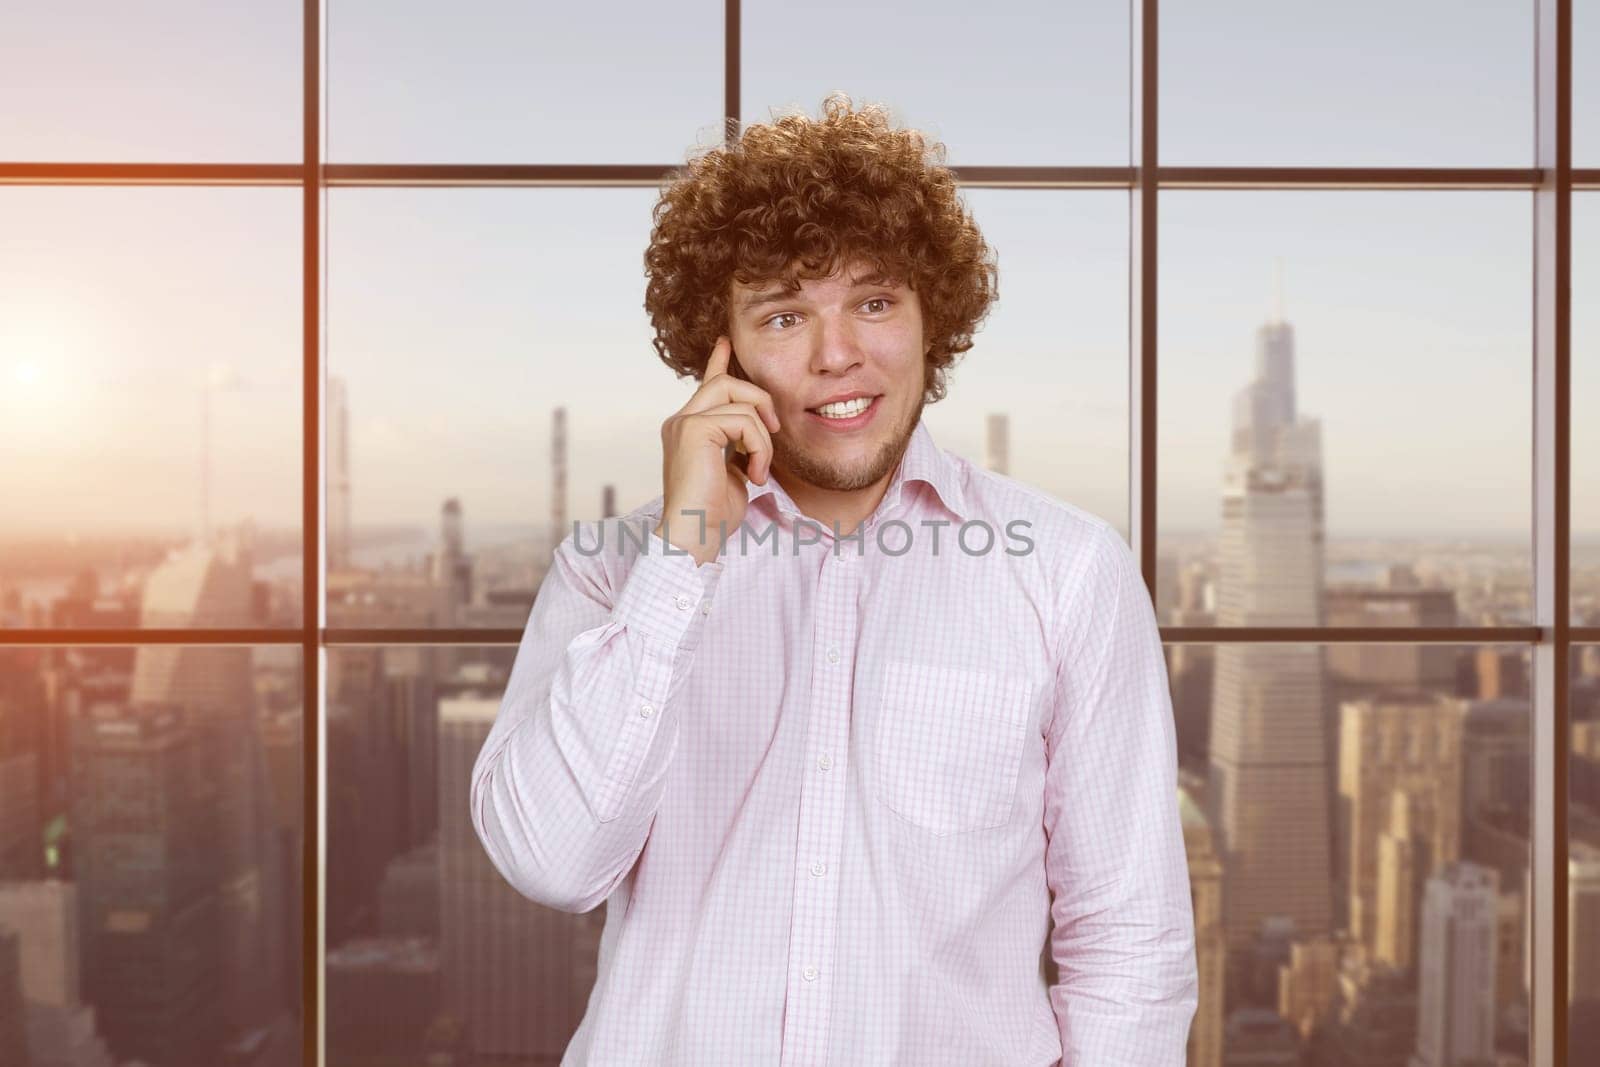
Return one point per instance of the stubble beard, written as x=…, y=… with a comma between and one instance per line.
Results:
x=824, y=474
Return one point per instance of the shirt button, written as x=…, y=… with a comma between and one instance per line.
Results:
x=646, y=710
x=833, y=655
x=810, y=974
x=683, y=602
x=824, y=761
x=705, y=607
x=819, y=869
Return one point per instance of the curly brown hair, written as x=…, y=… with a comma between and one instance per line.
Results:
x=797, y=198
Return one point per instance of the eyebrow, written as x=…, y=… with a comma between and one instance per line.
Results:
x=780, y=295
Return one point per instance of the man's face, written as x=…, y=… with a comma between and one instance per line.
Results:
x=839, y=337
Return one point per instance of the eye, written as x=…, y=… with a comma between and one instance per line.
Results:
x=885, y=301
x=780, y=315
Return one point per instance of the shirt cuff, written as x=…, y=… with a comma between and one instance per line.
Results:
x=667, y=594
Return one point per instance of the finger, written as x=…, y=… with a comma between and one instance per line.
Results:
x=717, y=364
x=726, y=389
x=748, y=411
x=745, y=432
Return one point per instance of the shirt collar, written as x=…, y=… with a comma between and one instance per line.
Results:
x=923, y=461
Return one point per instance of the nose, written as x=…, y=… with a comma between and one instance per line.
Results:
x=835, y=349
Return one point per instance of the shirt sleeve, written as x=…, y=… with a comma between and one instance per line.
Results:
x=1123, y=939
x=565, y=788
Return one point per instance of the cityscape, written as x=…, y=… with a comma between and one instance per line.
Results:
x=1356, y=817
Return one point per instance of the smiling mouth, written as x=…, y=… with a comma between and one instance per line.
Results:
x=844, y=409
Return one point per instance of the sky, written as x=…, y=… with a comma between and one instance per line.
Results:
x=460, y=317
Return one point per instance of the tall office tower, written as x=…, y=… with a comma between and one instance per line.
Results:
x=13, y=1038
x=338, y=475
x=22, y=733
x=1583, y=922
x=1393, y=601
x=1400, y=741
x=452, y=569
x=1455, y=1014
x=43, y=916
x=1269, y=789
x=144, y=823
x=1375, y=1023
x=1508, y=989
x=608, y=502
x=1308, y=984
x=408, y=896
x=1500, y=673
x=214, y=688
x=452, y=580
x=1205, y=890
x=997, y=444
x=1402, y=865
x=21, y=829
x=372, y=737
x=282, y=743
x=1495, y=744
x=558, y=476
x=382, y=994
x=516, y=973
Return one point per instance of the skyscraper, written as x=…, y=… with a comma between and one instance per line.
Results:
x=1583, y=922
x=1407, y=742
x=1455, y=1013
x=997, y=444
x=144, y=825
x=13, y=1039
x=1269, y=791
x=213, y=686
x=517, y=973
x=42, y=918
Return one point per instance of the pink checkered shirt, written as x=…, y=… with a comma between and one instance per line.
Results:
x=834, y=791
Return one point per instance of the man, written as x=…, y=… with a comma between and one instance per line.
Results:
x=833, y=756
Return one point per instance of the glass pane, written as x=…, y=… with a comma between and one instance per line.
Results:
x=1043, y=394
x=173, y=81
x=150, y=855
x=415, y=909
x=1356, y=819
x=1585, y=577
x=1366, y=83
x=1583, y=855
x=461, y=322
x=1363, y=437
x=1585, y=84
x=151, y=402
x=1038, y=84
x=496, y=81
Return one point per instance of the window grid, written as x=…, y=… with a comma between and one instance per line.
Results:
x=1551, y=638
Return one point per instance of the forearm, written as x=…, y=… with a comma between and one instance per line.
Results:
x=565, y=791
x=1127, y=988
x=1124, y=923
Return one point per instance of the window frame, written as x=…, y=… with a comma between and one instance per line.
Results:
x=1551, y=638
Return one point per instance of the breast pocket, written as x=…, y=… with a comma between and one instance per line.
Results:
x=949, y=745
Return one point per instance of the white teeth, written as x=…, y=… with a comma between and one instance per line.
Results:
x=845, y=408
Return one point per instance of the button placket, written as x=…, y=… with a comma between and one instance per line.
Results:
x=822, y=810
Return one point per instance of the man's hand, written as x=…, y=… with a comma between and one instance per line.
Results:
x=700, y=483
